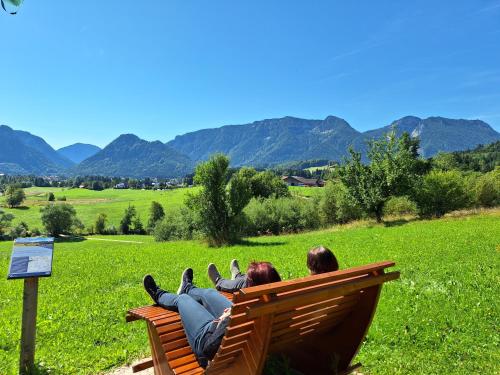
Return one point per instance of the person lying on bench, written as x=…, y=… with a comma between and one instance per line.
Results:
x=319, y=260
x=205, y=313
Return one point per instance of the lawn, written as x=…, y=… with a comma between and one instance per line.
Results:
x=442, y=316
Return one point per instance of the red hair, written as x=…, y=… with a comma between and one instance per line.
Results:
x=259, y=273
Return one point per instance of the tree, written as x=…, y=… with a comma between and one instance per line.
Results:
x=156, y=214
x=5, y=220
x=128, y=217
x=51, y=197
x=14, y=196
x=138, y=228
x=100, y=224
x=219, y=204
x=97, y=185
x=393, y=170
x=59, y=218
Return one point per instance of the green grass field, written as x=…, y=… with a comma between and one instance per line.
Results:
x=442, y=316
x=89, y=203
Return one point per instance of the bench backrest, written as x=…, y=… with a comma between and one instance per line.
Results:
x=318, y=322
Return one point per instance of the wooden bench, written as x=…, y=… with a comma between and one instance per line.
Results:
x=317, y=322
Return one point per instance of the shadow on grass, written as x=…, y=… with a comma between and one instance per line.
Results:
x=397, y=223
x=21, y=208
x=248, y=243
x=70, y=239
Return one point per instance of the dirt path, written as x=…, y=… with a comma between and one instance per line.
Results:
x=105, y=239
x=127, y=370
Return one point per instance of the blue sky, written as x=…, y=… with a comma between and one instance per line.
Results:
x=87, y=71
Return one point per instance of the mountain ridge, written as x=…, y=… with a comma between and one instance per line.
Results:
x=78, y=152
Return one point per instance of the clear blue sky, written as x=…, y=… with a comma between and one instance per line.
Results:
x=87, y=71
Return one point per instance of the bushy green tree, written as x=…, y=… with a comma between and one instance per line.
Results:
x=51, y=197
x=180, y=224
x=441, y=192
x=262, y=184
x=219, y=203
x=14, y=196
x=393, y=170
x=137, y=227
x=487, y=189
x=59, y=219
x=127, y=219
x=156, y=214
x=100, y=224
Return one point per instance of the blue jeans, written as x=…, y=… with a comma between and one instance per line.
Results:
x=230, y=286
x=198, y=308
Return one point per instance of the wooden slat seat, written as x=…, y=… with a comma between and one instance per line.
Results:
x=318, y=322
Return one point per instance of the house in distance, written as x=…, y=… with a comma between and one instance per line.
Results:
x=302, y=181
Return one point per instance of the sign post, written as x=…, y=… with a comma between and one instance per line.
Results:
x=31, y=259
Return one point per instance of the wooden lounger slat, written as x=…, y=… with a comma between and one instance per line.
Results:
x=309, y=320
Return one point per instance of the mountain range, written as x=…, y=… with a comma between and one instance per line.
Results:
x=261, y=143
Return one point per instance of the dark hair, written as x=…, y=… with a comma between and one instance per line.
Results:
x=320, y=260
x=259, y=273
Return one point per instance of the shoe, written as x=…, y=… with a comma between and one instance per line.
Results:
x=151, y=287
x=213, y=273
x=234, y=268
x=186, y=279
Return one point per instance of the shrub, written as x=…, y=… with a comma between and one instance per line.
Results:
x=111, y=230
x=176, y=225
x=337, y=206
x=278, y=215
x=60, y=218
x=100, y=224
x=441, y=192
x=399, y=206
x=62, y=199
x=21, y=230
x=5, y=220
x=51, y=197
x=487, y=189
x=138, y=228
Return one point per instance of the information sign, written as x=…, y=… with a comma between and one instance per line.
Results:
x=31, y=257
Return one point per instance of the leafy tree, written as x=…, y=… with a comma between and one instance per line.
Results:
x=51, y=197
x=337, y=205
x=156, y=213
x=100, y=224
x=14, y=196
x=5, y=220
x=441, y=192
x=128, y=217
x=97, y=185
x=138, y=228
x=393, y=170
x=219, y=204
x=59, y=218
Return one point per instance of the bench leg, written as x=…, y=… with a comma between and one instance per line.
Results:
x=161, y=366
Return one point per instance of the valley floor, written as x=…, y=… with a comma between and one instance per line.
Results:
x=442, y=316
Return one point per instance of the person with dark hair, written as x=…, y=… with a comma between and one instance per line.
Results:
x=205, y=313
x=320, y=259
x=258, y=273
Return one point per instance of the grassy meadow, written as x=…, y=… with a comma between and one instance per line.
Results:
x=89, y=203
x=442, y=316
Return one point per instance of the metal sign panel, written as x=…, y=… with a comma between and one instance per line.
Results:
x=31, y=257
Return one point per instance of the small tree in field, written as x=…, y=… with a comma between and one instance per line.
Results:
x=156, y=214
x=51, y=197
x=393, y=170
x=219, y=204
x=59, y=218
x=126, y=222
x=100, y=224
x=14, y=196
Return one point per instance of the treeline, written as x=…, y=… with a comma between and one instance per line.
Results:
x=481, y=159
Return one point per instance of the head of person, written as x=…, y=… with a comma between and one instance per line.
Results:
x=320, y=260
x=259, y=273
